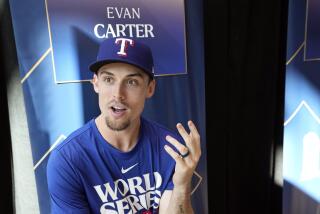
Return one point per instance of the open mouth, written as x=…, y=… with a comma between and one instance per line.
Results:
x=117, y=109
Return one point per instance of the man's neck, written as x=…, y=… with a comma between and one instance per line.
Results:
x=124, y=140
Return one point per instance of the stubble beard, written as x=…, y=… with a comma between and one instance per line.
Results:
x=117, y=125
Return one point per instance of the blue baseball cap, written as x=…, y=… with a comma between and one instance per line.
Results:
x=124, y=50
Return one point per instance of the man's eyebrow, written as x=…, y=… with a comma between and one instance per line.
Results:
x=106, y=72
x=138, y=74
x=135, y=74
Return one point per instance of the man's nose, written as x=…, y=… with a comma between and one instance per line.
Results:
x=118, y=92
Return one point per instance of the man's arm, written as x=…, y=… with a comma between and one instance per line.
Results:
x=64, y=188
x=178, y=200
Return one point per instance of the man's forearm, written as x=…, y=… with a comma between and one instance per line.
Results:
x=180, y=201
x=186, y=159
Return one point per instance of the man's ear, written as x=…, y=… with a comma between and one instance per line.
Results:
x=95, y=83
x=151, y=88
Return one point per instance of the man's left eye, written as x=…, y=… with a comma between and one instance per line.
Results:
x=132, y=82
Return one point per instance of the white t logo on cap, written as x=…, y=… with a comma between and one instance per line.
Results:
x=124, y=45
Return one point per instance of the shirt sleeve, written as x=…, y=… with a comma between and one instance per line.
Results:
x=65, y=188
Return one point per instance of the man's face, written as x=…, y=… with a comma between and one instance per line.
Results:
x=122, y=90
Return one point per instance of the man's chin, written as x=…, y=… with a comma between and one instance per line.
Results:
x=117, y=125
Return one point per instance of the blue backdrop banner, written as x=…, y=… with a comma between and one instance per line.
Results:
x=301, y=160
x=56, y=40
x=312, y=30
x=160, y=24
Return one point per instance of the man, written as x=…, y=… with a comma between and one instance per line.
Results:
x=120, y=162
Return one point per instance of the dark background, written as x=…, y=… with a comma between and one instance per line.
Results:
x=245, y=72
x=8, y=61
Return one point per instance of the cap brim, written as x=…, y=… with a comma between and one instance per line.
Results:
x=94, y=67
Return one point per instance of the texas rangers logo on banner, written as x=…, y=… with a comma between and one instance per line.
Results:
x=76, y=29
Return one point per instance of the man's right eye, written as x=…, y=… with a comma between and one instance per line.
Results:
x=107, y=79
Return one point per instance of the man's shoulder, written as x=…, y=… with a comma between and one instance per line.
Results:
x=76, y=140
x=68, y=155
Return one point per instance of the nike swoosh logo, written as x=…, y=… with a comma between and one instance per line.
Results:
x=123, y=171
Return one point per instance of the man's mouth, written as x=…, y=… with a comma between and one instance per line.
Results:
x=116, y=109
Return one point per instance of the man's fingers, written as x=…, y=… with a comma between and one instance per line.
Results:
x=194, y=134
x=181, y=148
x=191, y=139
x=173, y=154
x=184, y=134
x=193, y=131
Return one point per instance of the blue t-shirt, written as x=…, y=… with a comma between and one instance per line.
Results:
x=86, y=174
